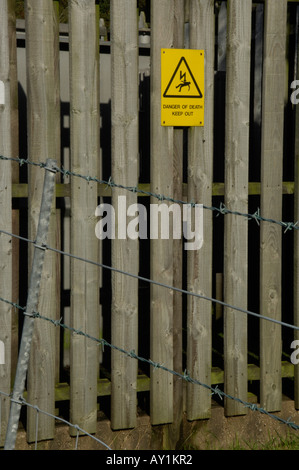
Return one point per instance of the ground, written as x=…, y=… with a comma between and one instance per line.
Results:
x=253, y=431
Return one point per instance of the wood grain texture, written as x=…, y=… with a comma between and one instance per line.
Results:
x=200, y=178
x=5, y=218
x=43, y=115
x=274, y=74
x=173, y=430
x=236, y=199
x=84, y=131
x=125, y=252
x=161, y=330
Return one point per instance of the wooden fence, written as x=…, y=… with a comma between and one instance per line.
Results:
x=243, y=160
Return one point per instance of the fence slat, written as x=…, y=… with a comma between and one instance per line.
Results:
x=174, y=428
x=43, y=142
x=236, y=199
x=125, y=252
x=5, y=216
x=84, y=146
x=274, y=75
x=162, y=24
x=200, y=182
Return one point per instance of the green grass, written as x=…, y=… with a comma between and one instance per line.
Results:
x=278, y=442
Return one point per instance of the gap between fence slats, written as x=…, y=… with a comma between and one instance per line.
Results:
x=14, y=103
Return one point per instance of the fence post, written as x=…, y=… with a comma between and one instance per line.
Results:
x=32, y=303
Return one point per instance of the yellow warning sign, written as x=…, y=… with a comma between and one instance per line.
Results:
x=182, y=87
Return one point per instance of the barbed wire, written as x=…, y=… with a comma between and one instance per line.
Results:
x=156, y=365
x=22, y=401
x=157, y=283
x=222, y=209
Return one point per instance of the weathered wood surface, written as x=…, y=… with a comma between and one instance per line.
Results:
x=161, y=330
x=84, y=145
x=43, y=116
x=200, y=178
x=173, y=430
x=125, y=251
x=274, y=76
x=236, y=199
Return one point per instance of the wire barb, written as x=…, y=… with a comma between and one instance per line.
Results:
x=221, y=210
x=185, y=376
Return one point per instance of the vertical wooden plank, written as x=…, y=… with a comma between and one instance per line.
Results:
x=296, y=217
x=200, y=179
x=5, y=218
x=84, y=145
x=43, y=109
x=173, y=433
x=274, y=74
x=125, y=252
x=161, y=330
x=236, y=199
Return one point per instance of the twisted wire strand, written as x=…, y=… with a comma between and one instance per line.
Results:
x=156, y=365
x=222, y=209
x=22, y=401
x=157, y=283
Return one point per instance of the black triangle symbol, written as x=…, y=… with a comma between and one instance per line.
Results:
x=165, y=95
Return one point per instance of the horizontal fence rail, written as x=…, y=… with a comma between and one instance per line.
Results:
x=155, y=365
x=221, y=210
x=131, y=353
